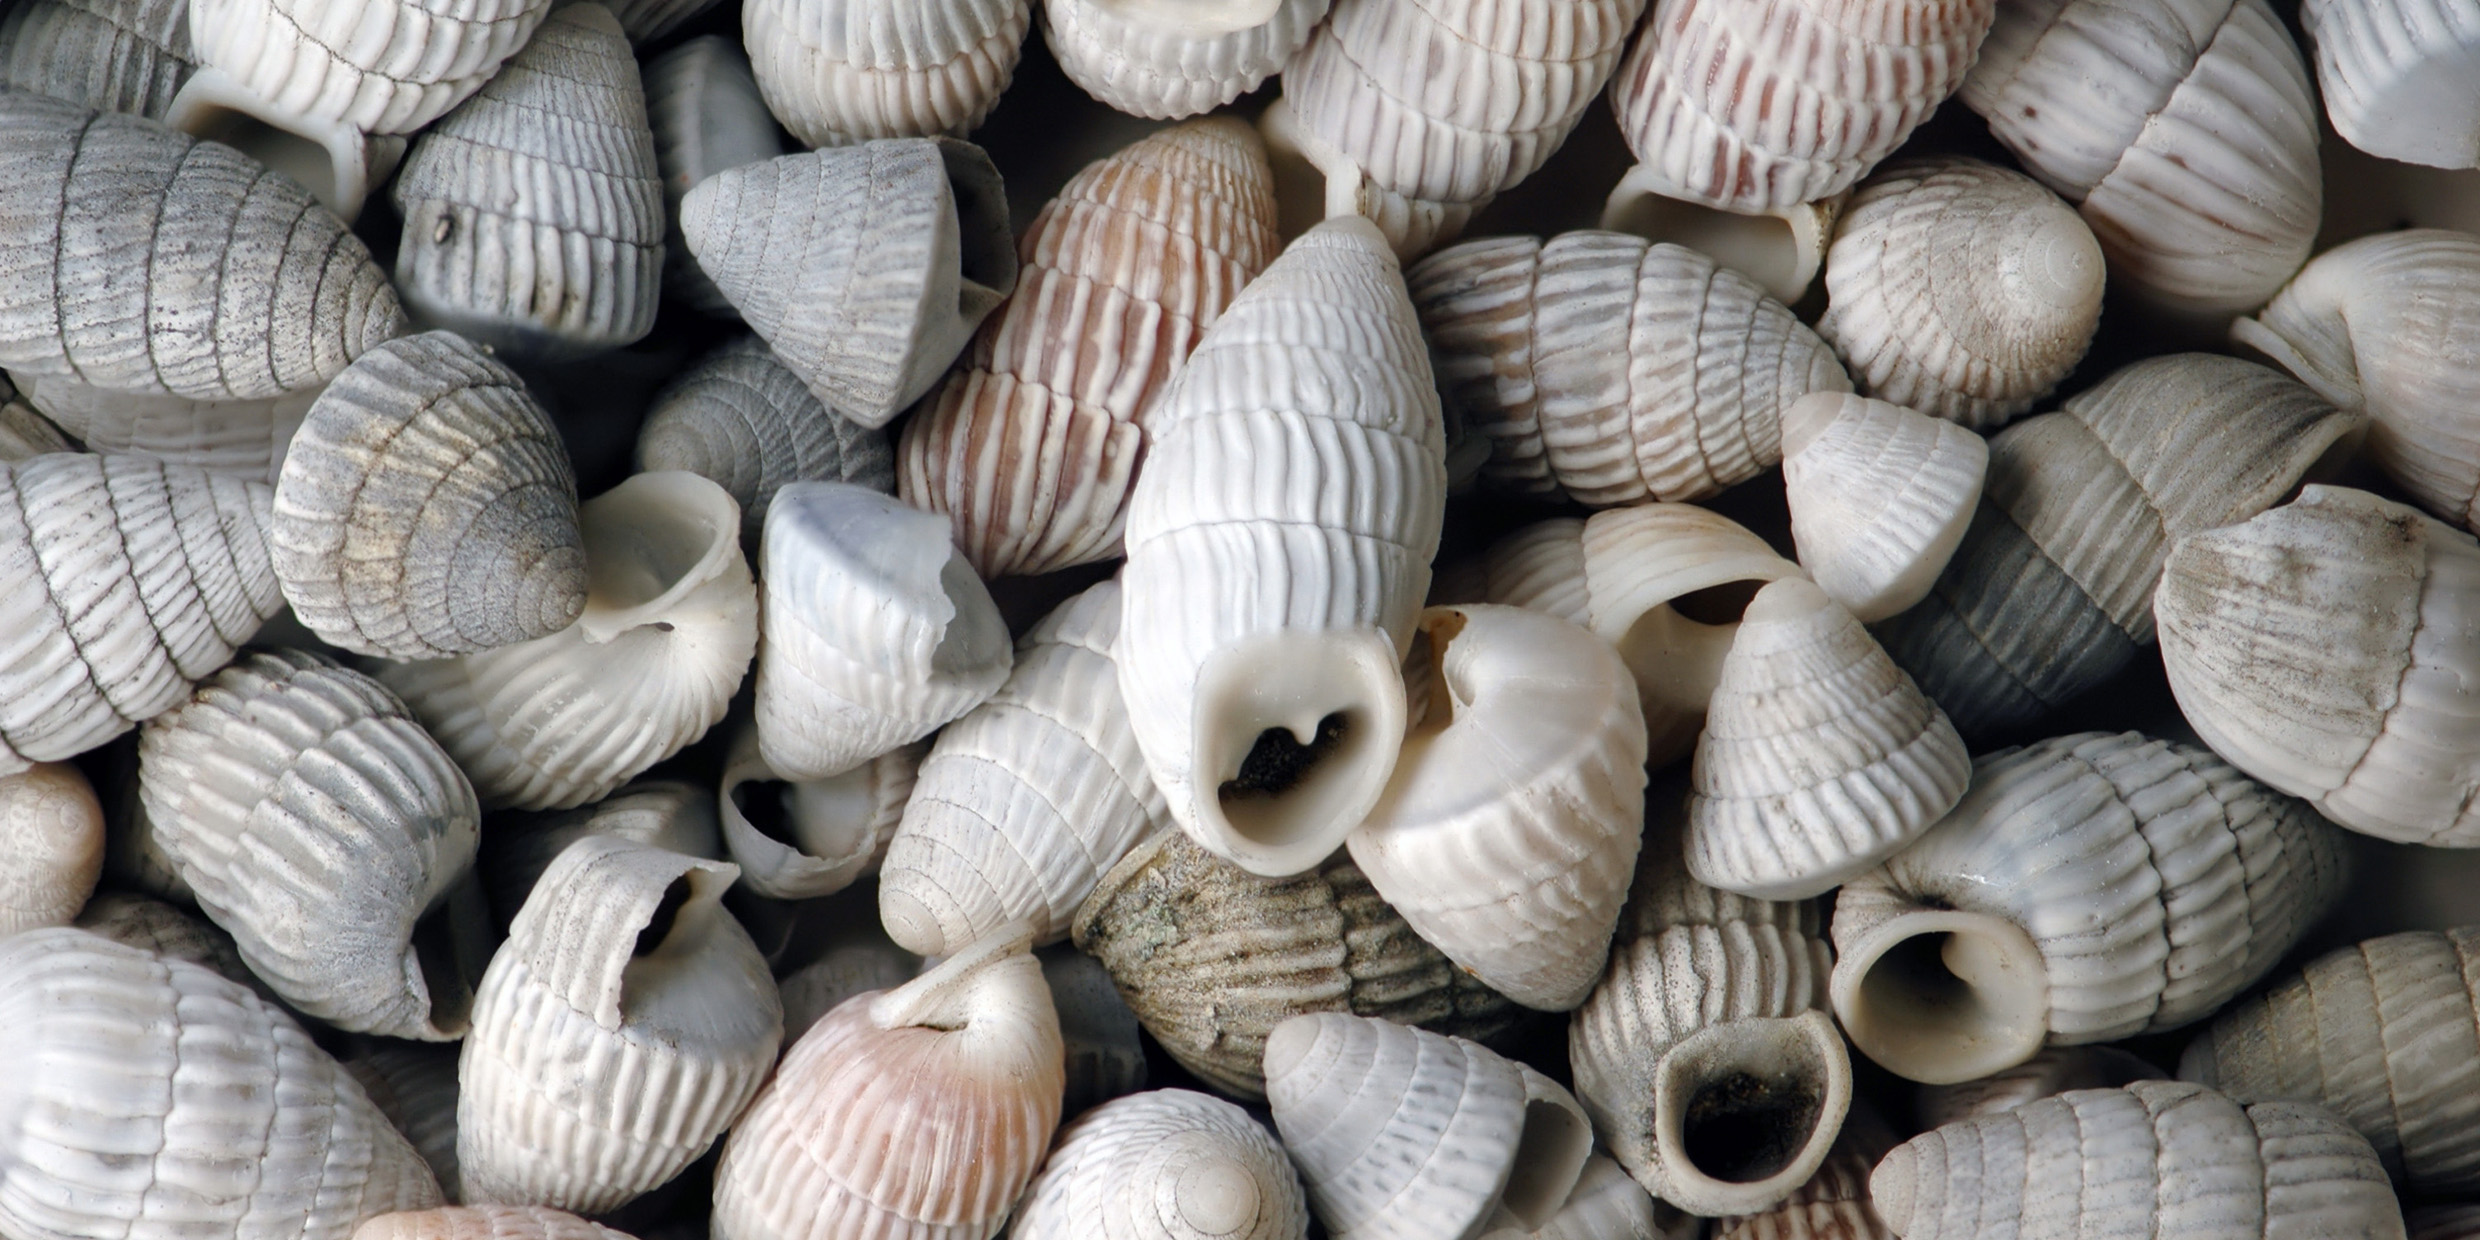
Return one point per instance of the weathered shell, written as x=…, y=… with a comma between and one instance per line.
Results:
x=1612, y=370
x=153, y=1099
x=1104, y=1050
x=667, y=634
x=414, y=1085
x=1510, y=826
x=1211, y=958
x=619, y=1031
x=1031, y=447
x=24, y=431
x=1169, y=62
x=1026, y=801
x=386, y=66
x=132, y=289
x=2185, y=132
x=2053, y=1071
x=2443, y=1222
x=795, y=840
x=540, y=240
x=484, y=1222
x=427, y=508
x=2395, y=77
x=1604, y=1205
x=243, y=438
x=1166, y=1165
x=1880, y=497
x=743, y=419
x=1834, y=1204
x=843, y=71
x=116, y=55
x=2088, y=888
x=1960, y=289
x=703, y=108
x=659, y=813
x=866, y=269
x=918, y=1113
x=51, y=846
x=153, y=926
x=2157, y=1158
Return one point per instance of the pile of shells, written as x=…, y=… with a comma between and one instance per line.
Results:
x=1239, y=620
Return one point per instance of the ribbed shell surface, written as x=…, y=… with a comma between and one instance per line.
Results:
x=383, y=66
x=414, y=1085
x=2053, y=1071
x=1167, y=1165
x=153, y=926
x=243, y=438
x=1148, y=62
x=1606, y=1205
x=1879, y=497
x=1834, y=1204
x=141, y=260
x=1614, y=370
x=837, y=72
x=671, y=814
x=820, y=835
x=743, y=419
x=703, y=108
x=155, y=1100
x=116, y=55
x=484, y=1222
x=1032, y=446
x=2392, y=74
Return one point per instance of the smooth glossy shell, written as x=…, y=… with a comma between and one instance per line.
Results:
x=1172, y=60
x=703, y=108
x=743, y=419
x=116, y=55
x=387, y=66
x=1880, y=497
x=51, y=846
x=844, y=71
x=1166, y=1165
x=484, y=1222
x=2394, y=76
x=243, y=438
x=801, y=839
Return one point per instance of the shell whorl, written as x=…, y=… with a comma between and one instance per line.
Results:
x=745, y=420
x=243, y=438
x=2379, y=62
x=115, y=55
x=1167, y=1165
x=390, y=67
x=1880, y=497
x=837, y=72
x=1174, y=65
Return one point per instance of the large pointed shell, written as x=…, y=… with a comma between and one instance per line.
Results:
x=667, y=634
x=1605, y=1205
x=1031, y=448
x=116, y=55
x=1880, y=497
x=51, y=846
x=2054, y=1071
x=1166, y=1165
x=1170, y=62
x=1279, y=543
x=134, y=290
x=743, y=419
x=384, y=66
x=800, y=839
x=1026, y=801
x=484, y=1222
x=1613, y=370
x=703, y=108
x=866, y=269
x=844, y=71
x=414, y=1085
x=1510, y=826
x=427, y=509
x=243, y=438
x=2394, y=75
x=659, y=813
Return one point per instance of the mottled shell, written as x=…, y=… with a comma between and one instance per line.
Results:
x=153, y=926
x=1166, y=1165
x=742, y=418
x=427, y=508
x=837, y=72
x=659, y=813
x=1605, y=1205
x=243, y=438
x=1173, y=61
x=414, y=1085
x=1880, y=497
x=2395, y=77
x=1031, y=447
x=132, y=290
x=116, y=55
x=51, y=846
x=484, y=1222
x=1834, y=1204
x=800, y=839
x=703, y=108
x=667, y=634
x=2157, y=1158
x=2054, y=1071
x=383, y=66
x=1105, y=1048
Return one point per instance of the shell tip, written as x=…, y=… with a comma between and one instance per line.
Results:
x=1217, y=1195
x=910, y=923
x=1808, y=417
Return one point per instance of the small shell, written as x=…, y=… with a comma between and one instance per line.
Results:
x=153, y=926
x=1614, y=371
x=1880, y=497
x=799, y=840
x=1960, y=289
x=836, y=72
x=24, y=431
x=743, y=419
x=1104, y=1052
x=866, y=269
x=1604, y=1205
x=116, y=55
x=667, y=634
x=484, y=1222
x=619, y=1031
x=243, y=438
x=2054, y=1071
x=542, y=241
x=659, y=813
x=414, y=1085
x=51, y=846
x=1166, y=1165
x=426, y=508
x=2395, y=77
x=1834, y=1204
x=703, y=107
x=1174, y=62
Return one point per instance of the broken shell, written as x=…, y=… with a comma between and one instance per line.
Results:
x=243, y=438
x=1105, y=1054
x=843, y=71
x=795, y=840
x=1032, y=446
x=1604, y=1205
x=1834, y=1204
x=743, y=419
x=51, y=846
x=414, y=1085
x=484, y=1222
x=2088, y=888
x=151, y=925
x=1168, y=1165
x=2382, y=63
x=2053, y=1071
x=659, y=813
x=703, y=108
x=1169, y=62
x=1880, y=497
x=116, y=55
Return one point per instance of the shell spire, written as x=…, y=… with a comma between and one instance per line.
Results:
x=843, y=71
x=1880, y=498
x=1169, y=62
x=1166, y=1165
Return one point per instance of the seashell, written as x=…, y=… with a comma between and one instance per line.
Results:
x=151, y=576
x=1960, y=289
x=668, y=632
x=2443, y=1222
x=51, y=846
x=1105, y=1059
x=670, y=814
x=877, y=631
x=1819, y=759
x=2052, y=1071
x=24, y=431
x=1539, y=567
x=153, y=1099
x=2088, y=888
x=1509, y=828
x=243, y=438
x=2050, y=592
x=114, y=55
x=918, y=1112
x=866, y=960
x=619, y=1031
x=2393, y=75
x=484, y=1222
x=150, y=305
x=2154, y=1158
x=1026, y=801
x=1400, y=1132
x=150, y=925
x=2184, y=133
x=541, y=241
x=1302, y=444
x=1170, y=63
x=1880, y=497
x=742, y=419
x=1834, y=1204
x=1211, y=958
x=703, y=108
x=837, y=72
x=427, y=509
x=785, y=240
x=1604, y=1205
x=1613, y=371
x=1032, y=446
x=647, y=21
x=799, y=840
x=1167, y=1165
x=414, y=1085
x=1781, y=249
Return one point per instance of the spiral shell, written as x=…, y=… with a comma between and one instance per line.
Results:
x=1166, y=1165
x=51, y=846
x=116, y=55
x=1169, y=63
x=1880, y=497
x=2053, y=1071
x=484, y=1222
x=797, y=840
x=414, y=1085
x=659, y=813
x=844, y=71
x=243, y=438
x=743, y=419
x=1604, y=1205
x=2393, y=75
x=384, y=66
x=703, y=108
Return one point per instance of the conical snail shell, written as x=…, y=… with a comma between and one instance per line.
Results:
x=153, y=1099
x=1960, y=289
x=152, y=926
x=1031, y=448
x=668, y=631
x=427, y=508
x=543, y=241
x=1509, y=828
x=1279, y=543
x=1166, y=1165
x=703, y=108
x=51, y=846
x=1173, y=61
x=1834, y=1204
x=866, y=269
x=2392, y=74
x=1104, y=1043
x=1880, y=497
x=1604, y=1205
x=2054, y=1071
x=659, y=813
x=243, y=438
x=2155, y=1158
x=743, y=419
x=1026, y=801
x=2088, y=888
x=115, y=55
x=484, y=1222
x=844, y=71
x=131, y=292
x=619, y=1031
x=917, y=1113
x=414, y=1085
x=384, y=66
x=1614, y=371
x=797, y=840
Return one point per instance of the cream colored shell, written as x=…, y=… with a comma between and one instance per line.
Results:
x=484, y=1222
x=243, y=438
x=1166, y=1165
x=1318, y=180
x=1880, y=497
x=116, y=55
x=842, y=71
x=51, y=846
x=153, y=926
x=797, y=840
x=742, y=418
x=2395, y=77
x=1604, y=1205
x=385, y=66
x=1176, y=59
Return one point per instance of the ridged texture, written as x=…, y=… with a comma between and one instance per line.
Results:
x=1834, y=1204
x=1880, y=496
x=672, y=814
x=703, y=108
x=1032, y=445
x=865, y=961
x=843, y=71
x=2158, y=1158
x=427, y=508
x=2054, y=1071
x=154, y=1100
x=386, y=66
x=115, y=55
x=542, y=240
x=1605, y=1205
x=1612, y=370
x=484, y=1222
x=2392, y=75
x=243, y=438
x=139, y=260
x=2443, y=1222
x=798, y=840
x=51, y=846
x=647, y=21
x=151, y=925
x=1168, y=62
x=1166, y=1165
x=743, y=419
x=414, y=1085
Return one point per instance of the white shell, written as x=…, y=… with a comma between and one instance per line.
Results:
x=1320, y=180
x=1604, y=1205
x=51, y=846
x=484, y=1222
x=703, y=108
x=414, y=1085
x=1781, y=249
x=1880, y=496
x=743, y=419
x=1171, y=60
x=844, y=71
x=153, y=926
x=116, y=55
x=795, y=840
x=1166, y=1165
x=2396, y=77
x=2054, y=1071
x=659, y=813
x=243, y=438
x=1279, y=543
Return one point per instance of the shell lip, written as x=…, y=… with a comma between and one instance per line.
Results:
x=650, y=509
x=1746, y=1111
x=1943, y=995
x=933, y=998
x=1781, y=248
x=213, y=106
x=1192, y=19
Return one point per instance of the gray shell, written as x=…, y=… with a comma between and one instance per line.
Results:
x=649, y=20
x=414, y=1085
x=154, y=926
x=117, y=55
x=243, y=438
x=24, y=431
x=704, y=109
x=744, y=419
x=1106, y=1057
